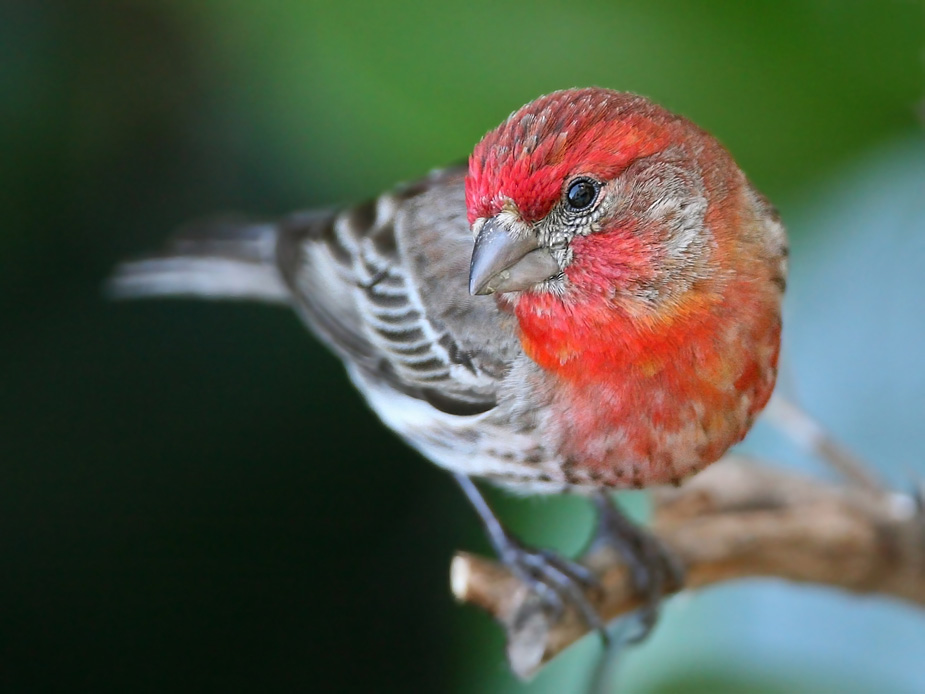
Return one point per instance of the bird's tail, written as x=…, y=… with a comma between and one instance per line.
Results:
x=221, y=259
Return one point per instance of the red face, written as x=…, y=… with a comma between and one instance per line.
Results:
x=589, y=191
x=529, y=159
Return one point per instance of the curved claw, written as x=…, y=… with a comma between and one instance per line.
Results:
x=555, y=579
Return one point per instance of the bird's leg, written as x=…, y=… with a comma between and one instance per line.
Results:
x=555, y=579
x=653, y=568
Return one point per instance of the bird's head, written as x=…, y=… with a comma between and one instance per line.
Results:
x=594, y=193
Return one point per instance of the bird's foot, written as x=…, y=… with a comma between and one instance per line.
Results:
x=654, y=569
x=556, y=580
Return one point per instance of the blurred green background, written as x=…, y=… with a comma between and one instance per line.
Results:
x=191, y=495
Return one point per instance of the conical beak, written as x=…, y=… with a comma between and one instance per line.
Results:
x=508, y=258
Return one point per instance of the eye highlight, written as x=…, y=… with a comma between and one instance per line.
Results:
x=581, y=194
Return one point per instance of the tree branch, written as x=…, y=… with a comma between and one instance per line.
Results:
x=737, y=519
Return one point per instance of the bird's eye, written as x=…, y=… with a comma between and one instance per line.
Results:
x=581, y=194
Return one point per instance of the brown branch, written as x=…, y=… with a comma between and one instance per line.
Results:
x=735, y=520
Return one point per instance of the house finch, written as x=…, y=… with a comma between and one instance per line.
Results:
x=594, y=304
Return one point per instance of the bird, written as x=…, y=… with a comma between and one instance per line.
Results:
x=591, y=303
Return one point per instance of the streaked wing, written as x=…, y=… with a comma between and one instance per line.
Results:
x=385, y=284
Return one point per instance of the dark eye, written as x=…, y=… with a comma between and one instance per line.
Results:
x=581, y=194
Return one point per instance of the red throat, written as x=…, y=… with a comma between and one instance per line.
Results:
x=678, y=391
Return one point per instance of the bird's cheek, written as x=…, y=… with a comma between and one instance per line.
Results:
x=603, y=264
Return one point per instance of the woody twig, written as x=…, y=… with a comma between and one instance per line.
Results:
x=736, y=520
